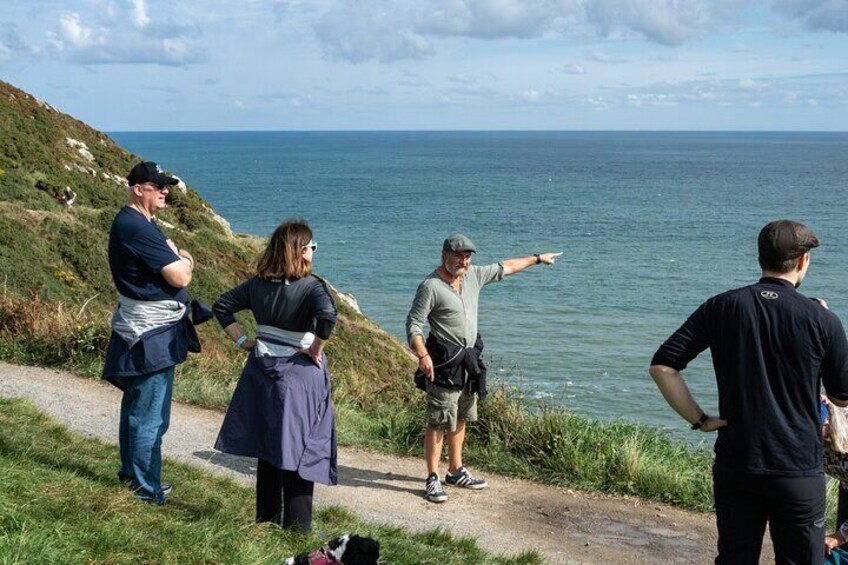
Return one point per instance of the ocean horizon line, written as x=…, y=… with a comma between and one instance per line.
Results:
x=461, y=131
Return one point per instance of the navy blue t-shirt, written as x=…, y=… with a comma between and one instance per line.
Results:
x=137, y=252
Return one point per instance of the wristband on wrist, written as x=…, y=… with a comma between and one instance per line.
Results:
x=423, y=356
x=697, y=425
x=538, y=258
x=240, y=341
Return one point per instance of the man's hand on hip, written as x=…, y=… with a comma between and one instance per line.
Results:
x=712, y=424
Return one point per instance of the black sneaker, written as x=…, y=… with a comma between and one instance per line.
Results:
x=463, y=479
x=433, y=490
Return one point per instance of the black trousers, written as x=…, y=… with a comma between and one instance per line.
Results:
x=283, y=494
x=793, y=507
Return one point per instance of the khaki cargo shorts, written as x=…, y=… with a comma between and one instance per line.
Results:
x=446, y=406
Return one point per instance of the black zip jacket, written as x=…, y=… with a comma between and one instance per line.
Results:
x=455, y=366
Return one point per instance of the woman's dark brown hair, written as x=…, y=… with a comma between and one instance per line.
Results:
x=283, y=257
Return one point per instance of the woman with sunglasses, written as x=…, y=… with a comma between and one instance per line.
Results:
x=282, y=408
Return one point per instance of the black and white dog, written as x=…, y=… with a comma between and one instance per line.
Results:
x=346, y=550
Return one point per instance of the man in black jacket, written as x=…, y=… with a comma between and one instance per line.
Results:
x=771, y=347
x=447, y=300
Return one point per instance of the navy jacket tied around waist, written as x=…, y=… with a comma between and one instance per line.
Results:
x=282, y=411
x=456, y=366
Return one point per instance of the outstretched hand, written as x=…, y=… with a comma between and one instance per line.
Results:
x=712, y=424
x=549, y=258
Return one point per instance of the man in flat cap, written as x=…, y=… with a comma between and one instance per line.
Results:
x=450, y=369
x=150, y=330
x=772, y=348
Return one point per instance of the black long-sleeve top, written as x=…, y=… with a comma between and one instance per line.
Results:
x=772, y=347
x=302, y=305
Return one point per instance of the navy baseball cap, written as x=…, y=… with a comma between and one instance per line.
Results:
x=149, y=172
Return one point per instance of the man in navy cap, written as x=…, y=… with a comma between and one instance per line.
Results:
x=150, y=330
x=772, y=348
x=449, y=366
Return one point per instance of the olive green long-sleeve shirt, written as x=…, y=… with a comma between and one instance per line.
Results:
x=452, y=315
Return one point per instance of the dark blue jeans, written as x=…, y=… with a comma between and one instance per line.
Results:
x=145, y=416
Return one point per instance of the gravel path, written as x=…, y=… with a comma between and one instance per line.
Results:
x=508, y=517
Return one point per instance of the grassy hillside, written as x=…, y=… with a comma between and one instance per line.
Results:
x=57, y=297
x=57, y=291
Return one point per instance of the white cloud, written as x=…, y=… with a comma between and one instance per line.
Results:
x=651, y=99
x=574, y=69
x=598, y=102
x=351, y=33
x=101, y=39
x=139, y=14
x=531, y=95
x=600, y=56
x=73, y=34
x=668, y=22
x=413, y=79
x=831, y=15
x=750, y=84
x=462, y=78
x=409, y=29
x=807, y=90
x=13, y=45
x=490, y=19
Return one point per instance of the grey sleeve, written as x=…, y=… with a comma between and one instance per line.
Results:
x=417, y=317
x=489, y=273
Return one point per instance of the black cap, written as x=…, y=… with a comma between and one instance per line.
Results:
x=149, y=172
x=782, y=240
x=458, y=242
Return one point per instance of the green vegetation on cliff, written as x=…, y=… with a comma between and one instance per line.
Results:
x=57, y=297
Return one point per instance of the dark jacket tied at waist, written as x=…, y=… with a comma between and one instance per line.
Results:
x=455, y=366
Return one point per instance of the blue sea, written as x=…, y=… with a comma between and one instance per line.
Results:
x=650, y=224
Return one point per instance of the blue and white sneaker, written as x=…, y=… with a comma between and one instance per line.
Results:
x=463, y=479
x=433, y=490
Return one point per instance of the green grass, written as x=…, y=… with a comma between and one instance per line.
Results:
x=60, y=502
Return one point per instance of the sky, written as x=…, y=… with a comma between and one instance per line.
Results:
x=136, y=65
